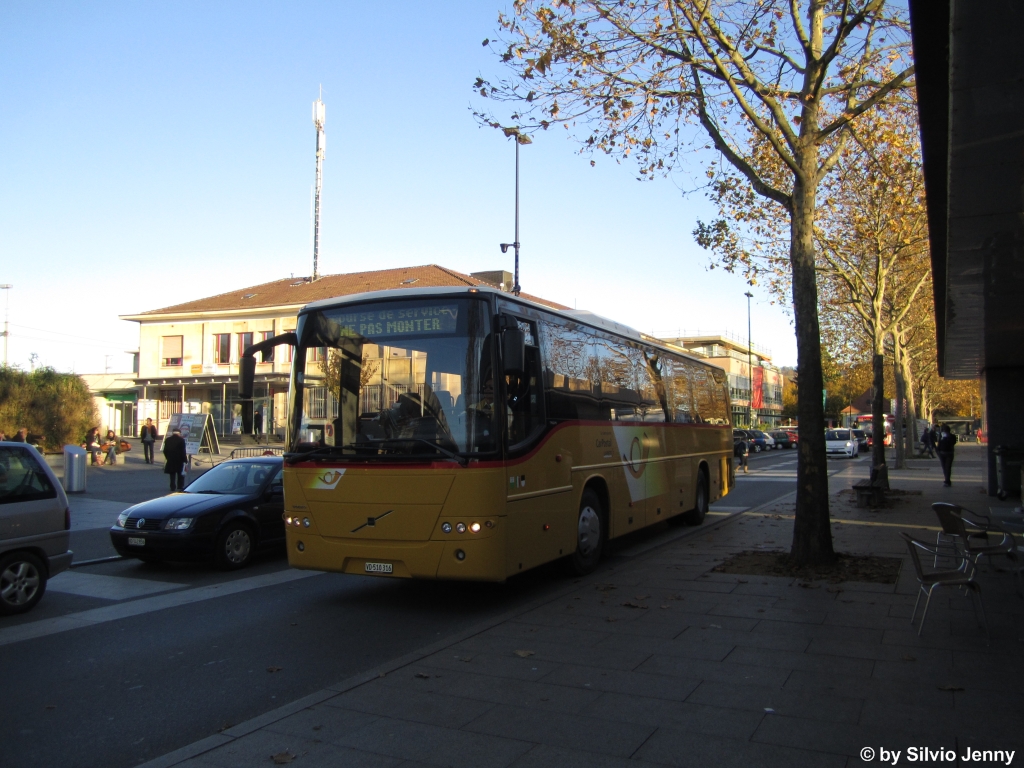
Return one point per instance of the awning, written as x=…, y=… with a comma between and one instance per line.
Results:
x=121, y=397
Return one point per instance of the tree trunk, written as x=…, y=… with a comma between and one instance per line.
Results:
x=907, y=369
x=812, y=531
x=878, y=402
x=897, y=437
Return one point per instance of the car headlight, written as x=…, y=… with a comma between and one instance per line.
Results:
x=849, y=445
x=122, y=519
x=178, y=523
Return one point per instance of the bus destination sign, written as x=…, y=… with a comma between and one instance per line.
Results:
x=429, y=319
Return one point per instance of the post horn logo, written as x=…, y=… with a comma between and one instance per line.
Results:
x=327, y=481
x=636, y=462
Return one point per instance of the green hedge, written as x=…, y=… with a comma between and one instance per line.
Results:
x=56, y=408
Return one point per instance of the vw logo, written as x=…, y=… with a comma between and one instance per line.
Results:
x=142, y=522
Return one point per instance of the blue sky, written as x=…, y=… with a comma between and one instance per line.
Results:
x=151, y=154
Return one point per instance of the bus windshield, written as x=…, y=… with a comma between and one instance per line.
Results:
x=397, y=378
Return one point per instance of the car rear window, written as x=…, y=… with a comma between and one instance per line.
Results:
x=22, y=477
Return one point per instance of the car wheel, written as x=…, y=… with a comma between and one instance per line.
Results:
x=235, y=546
x=590, y=535
x=22, y=582
x=700, y=503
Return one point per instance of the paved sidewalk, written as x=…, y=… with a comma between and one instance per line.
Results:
x=656, y=660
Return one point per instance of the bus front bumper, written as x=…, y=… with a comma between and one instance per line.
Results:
x=469, y=559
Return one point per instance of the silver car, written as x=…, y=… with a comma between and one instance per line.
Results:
x=34, y=527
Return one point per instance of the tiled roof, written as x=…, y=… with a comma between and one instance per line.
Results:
x=299, y=291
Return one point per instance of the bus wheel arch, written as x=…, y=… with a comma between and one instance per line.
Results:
x=702, y=497
x=591, y=528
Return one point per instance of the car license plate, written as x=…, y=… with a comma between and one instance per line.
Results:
x=379, y=568
x=136, y=541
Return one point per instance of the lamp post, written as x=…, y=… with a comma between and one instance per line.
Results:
x=750, y=367
x=7, y=305
x=520, y=138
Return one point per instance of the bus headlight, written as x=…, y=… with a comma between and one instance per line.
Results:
x=475, y=527
x=460, y=527
x=446, y=527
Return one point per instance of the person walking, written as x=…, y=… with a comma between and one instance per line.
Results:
x=945, y=446
x=176, y=459
x=741, y=450
x=257, y=424
x=928, y=442
x=148, y=436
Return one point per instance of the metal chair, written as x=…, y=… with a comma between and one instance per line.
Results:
x=927, y=582
x=953, y=524
x=974, y=535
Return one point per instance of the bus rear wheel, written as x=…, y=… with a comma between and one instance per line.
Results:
x=700, y=508
x=590, y=535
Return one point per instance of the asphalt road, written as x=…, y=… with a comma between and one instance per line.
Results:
x=122, y=662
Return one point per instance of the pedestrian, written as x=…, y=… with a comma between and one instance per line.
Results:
x=741, y=450
x=92, y=444
x=3, y=437
x=21, y=436
x=176, y=459
x=257, y=424
x=928, y=442
x=148, y=435
x=111, y=443
x=945, y=446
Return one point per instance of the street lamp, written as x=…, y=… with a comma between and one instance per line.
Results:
x=7, y=305
x=750, y=367
x=520, y=138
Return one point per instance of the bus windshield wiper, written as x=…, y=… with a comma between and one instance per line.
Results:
x=392, y=440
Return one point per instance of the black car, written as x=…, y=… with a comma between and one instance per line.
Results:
x=863, y=440
x=227, y=514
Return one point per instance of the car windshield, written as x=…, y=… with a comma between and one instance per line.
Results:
x=233, y=477
x=837, y=434
x=409, y=377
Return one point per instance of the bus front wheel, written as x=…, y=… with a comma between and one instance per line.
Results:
x=590, y=535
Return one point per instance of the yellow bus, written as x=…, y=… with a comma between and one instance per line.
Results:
x=471, y=434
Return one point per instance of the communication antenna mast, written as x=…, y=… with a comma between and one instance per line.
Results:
x=319, y=117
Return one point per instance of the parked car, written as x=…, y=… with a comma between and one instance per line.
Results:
x=863, y=439
x=759, y=441
x=226, y=514
x=839, y=442
x=34, y=527
x=784, y=438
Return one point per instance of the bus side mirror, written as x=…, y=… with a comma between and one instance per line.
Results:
x=247, y=363
x=246, y=376
x=513, y=350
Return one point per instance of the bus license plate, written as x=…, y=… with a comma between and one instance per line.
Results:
x=134, y=541
x=379, y=568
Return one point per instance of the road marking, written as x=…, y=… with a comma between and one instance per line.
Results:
x=107, y=587
x=91, y=618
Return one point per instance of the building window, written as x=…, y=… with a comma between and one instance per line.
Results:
x=222, y=348
x=171, y=351
x=268, y=355
x=244, y=341
x=317, y=354
x=291, y=349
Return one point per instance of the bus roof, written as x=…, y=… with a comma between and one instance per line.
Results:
x=583, y=316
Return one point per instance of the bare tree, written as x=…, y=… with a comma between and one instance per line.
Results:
x=754, y=79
